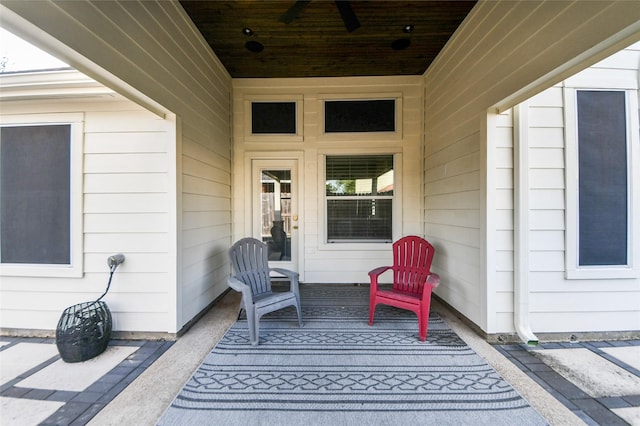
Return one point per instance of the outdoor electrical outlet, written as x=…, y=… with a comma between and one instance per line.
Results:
x=115, y=259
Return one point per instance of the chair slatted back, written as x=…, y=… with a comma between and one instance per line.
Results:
x=250, y=262
x=412, y=257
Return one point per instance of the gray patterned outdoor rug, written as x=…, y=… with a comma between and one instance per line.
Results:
x=336, y=370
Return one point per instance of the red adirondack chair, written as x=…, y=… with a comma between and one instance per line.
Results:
x=413, y=281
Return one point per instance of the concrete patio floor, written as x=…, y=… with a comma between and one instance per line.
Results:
x=148, y=375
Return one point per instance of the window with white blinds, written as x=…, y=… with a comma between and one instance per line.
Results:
x=359, y=198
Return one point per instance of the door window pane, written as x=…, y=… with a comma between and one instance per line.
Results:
x=276, y=213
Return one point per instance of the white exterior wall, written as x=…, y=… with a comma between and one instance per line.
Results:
x=321, y=262
x=559, y=303
x=152, y=53
x=126, y=192
x=502, y=150
x=504, y=53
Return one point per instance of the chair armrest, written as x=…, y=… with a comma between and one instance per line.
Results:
x=291, y=275
x=373, y=278
x=378, y=271
x=286, y=272
x=243, y=288
x=433, y=279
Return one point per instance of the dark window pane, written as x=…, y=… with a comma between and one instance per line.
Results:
x=360, y=116
x=273, y=118
x=364, y=219
x=602, y=162
x=35, y=194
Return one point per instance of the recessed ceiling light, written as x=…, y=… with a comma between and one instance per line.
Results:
x=400, y=44
x=254, y=46
x=247, y=31
x=407, y=29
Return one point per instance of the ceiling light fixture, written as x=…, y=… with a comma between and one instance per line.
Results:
x=254, y=46
x=400, y=44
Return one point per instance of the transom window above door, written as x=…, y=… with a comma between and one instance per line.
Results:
x=359, y=192
x=352, y=116
x=276, y=118
x=273, y=118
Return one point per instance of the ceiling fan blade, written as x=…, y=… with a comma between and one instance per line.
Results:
x=294, y=11
x=348, y=17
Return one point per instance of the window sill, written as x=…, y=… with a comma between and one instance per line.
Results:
x=356, y=246
x=40, y=271
x=602, y=273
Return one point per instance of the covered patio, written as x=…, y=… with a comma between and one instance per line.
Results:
x=194, y=156
x=144, y=398
x=172, y=185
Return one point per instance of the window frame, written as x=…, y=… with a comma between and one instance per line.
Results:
x=75, y=268
x=396, y=135
x=572, y=267
x=396, y=222
x=249, y=136
x=335, y=112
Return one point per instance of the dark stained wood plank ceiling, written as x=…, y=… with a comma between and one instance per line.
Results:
x=291, y=38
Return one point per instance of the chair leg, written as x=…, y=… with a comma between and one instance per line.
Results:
x=255, y=339
x=251, y=320
x=299, y=311
x=422, y=326
x=372, y=311
x=423, y=316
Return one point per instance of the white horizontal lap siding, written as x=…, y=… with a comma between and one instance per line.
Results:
x=503, y=52
x=337, y=262
x=206, y=213
x=452, y=202
x=546, y=184
x=500, y=288
x=340, y=266
x=598, y=321
x=558, y=304
x=412, y=127
x=151, y=51
x=126, y=210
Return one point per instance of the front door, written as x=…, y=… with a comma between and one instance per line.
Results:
x=275, y=209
